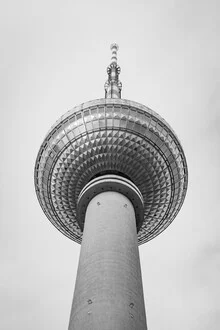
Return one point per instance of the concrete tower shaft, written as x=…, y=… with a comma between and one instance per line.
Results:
x=108, y=292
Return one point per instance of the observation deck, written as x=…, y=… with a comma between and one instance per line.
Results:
x=118, y=137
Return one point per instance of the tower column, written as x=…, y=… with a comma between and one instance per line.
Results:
x=108, y=290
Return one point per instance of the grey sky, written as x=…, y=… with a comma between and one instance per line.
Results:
x=54, y=56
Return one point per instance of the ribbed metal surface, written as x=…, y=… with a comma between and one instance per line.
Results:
x=117, y=135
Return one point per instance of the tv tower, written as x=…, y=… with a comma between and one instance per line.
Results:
x=111, y=175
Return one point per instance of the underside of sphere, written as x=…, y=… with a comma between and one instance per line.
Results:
x=111, y=136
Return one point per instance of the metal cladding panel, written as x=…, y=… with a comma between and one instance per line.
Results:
x=111, y=135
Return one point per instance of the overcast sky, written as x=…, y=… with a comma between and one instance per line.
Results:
x=54, y=56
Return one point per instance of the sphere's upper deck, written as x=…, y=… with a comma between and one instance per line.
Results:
x=111, y=135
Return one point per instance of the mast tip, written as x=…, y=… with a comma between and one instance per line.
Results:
x=114, y=45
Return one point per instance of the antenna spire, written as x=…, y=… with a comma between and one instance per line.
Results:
x=113, y=86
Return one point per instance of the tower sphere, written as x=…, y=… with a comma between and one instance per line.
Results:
x=111, y=136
